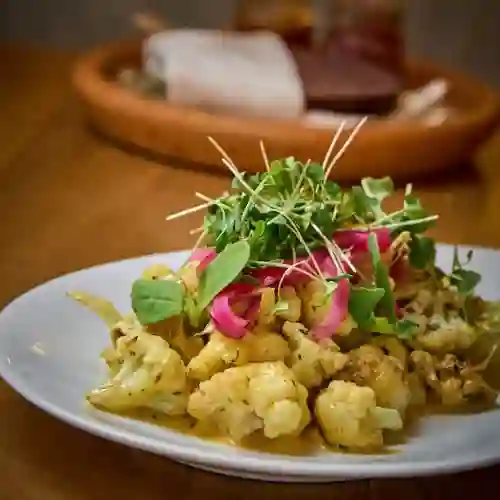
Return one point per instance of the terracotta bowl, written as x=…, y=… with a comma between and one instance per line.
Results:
x=402, y=150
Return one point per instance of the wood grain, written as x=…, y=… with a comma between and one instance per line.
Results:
x=69, y=199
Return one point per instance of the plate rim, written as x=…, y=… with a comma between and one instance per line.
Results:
x=197, y=451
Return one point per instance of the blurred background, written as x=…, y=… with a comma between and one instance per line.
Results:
x=461, y=33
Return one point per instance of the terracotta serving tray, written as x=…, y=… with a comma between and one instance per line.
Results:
x=400, y=149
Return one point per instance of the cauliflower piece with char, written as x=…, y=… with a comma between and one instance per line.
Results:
x=442, y=336
x=243, y=399
x=312, y=362
x=150, y=375
x=221, y=352
x=452, y=380
x=349, y=416
x=385, y=374
x=430, y=300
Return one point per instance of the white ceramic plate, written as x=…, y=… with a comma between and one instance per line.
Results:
x=49, y=353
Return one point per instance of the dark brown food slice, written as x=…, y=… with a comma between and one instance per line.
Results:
x=340, y=82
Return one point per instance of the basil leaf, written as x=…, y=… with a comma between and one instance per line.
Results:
x=156, y=300
x=362, y=304
x=382, y=279
x=222, y=271
x=422, y=252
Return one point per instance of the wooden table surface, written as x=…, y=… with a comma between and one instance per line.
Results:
x=68, y=200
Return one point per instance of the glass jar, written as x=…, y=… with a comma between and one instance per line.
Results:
x=291, y=19
x=370, y=29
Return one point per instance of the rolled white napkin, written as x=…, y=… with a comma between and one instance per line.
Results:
x=242, y=74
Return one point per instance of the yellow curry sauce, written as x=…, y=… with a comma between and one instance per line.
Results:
x=310, y=441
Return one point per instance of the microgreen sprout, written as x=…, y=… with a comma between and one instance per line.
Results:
x=292, y=209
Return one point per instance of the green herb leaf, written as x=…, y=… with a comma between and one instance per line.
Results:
x=331, y=284
x=413, y=211
x=379, y=189
x=403, y=329
x=222, y=271
x=333, y=190
x=363, y=206
x=316, y=173
x=156, y=300
x=383, y=326
x=290, y=162
x=382, y=279
x=406, y=329
x=281, y=174
x=362, y=304
x=465, y=280
x=191, y=311
x=291, y=210
x=422, y=251
x=322, y=217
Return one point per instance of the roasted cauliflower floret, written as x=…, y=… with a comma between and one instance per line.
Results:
x=172, y=330
x=370, y=366
x=396, y=349
x=315, y=306
x=293, y=309
x=117, y=324
x=444, y=336
x=349, y=416
x=267, y=308
x=221, y=352
x=312, y=362
x=431, y=301
x=188, y=346
x=241, y=400
x=151, y=375
x=392, y=346
x=451, y=380
x=418, y=390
